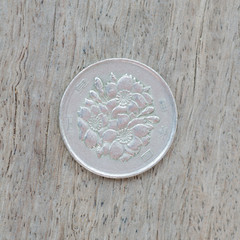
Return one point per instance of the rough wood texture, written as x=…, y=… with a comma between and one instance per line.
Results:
x=193, y=193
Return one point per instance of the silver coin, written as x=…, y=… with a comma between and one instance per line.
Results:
x=118, y=118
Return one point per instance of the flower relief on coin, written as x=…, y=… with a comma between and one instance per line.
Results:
x=117, y=118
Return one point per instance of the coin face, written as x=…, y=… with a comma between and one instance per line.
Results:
x=118, y=118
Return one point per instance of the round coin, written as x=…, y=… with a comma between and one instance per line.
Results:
x=118, y=118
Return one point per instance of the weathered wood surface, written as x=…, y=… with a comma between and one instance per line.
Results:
x=193, y=193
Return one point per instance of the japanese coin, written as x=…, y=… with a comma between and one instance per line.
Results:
x=118, y=118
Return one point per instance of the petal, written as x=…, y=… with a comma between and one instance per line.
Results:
x=116, y=150
x=118, y=110
x=123, y=120
x=83, y=127
x=137, y=87
x=84, y=113
x=136, y=121
x=111, y=104
x=148, y=97
x=125, y=82
x=141, y=130
x=113, y=77
x=139, y=99
x=103, y=108
x=111, y=90
x=109, y=135
x=133, y=107
x=146, y=140
x=135, y=143
x=94, y=95
x=147, y=89
x=153, y=119
x=99, y=152
x=89, y=102
x=105, y=148
x=95, y=110
x=130, y=151
x=91, y=138
x=125, y=157
x=99, y=85
x=147, y=110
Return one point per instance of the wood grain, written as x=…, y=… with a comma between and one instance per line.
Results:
x=193, y=193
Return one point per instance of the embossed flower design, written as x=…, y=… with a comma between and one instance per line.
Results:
x=117, y=118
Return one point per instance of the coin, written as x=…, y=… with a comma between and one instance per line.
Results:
x=118, y=118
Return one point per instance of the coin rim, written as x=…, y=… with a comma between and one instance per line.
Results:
x=125, y=175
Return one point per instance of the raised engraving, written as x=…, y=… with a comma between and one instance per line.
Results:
x=163, y=105
x=81, y=85
x=163, y=131
x=147, y=155
x=69, y=123
x=117, y=118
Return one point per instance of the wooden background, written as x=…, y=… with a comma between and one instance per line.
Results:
x=193, y=193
